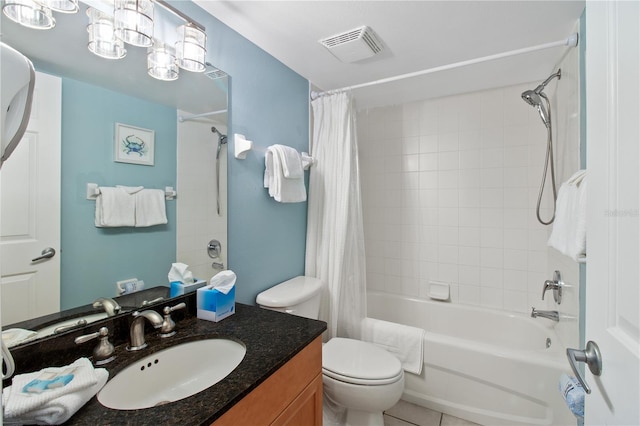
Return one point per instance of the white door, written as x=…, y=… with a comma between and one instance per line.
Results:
x=613, y=233
x=30, y=211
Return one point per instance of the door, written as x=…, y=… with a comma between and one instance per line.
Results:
x=613, y=233
x=30, y=212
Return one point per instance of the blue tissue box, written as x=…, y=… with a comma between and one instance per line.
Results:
x=178, y=289
x=213, y=305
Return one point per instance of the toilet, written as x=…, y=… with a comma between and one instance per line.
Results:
x=360, y=380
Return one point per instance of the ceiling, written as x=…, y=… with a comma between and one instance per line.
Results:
x=417, y=35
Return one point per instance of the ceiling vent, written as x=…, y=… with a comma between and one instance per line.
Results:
x=354, y=45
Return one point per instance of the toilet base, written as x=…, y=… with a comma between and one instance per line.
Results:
x=364, y=418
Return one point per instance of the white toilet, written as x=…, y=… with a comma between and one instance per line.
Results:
x=360, y=380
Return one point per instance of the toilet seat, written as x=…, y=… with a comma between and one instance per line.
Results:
x=357, y=362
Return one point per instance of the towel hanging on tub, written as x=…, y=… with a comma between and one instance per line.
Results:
x=569, y=233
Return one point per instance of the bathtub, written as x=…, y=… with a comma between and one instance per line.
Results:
x=488, y=367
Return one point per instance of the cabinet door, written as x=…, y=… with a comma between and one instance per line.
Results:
x=306, y=409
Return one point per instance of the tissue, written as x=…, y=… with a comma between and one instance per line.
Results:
x=217, y=300
x=181, y=280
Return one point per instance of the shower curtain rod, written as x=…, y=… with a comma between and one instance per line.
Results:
x=571, y=41
x=182, y=118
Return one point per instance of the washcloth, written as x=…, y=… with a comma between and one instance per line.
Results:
x=150, y=208
x=278, y=161
x=15, y=336
x=403, y=341
x=114, y=207
x=569, y=233
x=52, y=406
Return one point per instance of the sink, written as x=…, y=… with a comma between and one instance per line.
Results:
x=172, y=374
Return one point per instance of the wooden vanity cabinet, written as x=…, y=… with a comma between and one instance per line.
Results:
x=291, y=396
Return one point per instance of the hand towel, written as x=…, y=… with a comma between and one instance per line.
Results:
x=52, y=406
x=150, y=208
x=114, y=207
x=15, y=336
x=403, y=341
x=569, y=233
x=281, y=188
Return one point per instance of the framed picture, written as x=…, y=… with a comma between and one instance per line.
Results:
x=133, y=145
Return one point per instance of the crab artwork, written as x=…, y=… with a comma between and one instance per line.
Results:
x=133, y=144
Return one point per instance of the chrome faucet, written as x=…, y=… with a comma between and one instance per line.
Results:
x=136, y=332
x=103, y=352
x=110, y=306
x=552, y=315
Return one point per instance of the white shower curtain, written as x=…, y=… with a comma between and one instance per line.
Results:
x=335, y=236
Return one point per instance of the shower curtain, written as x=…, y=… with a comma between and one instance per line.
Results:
x=335, y=235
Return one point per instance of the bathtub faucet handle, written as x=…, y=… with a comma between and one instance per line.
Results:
x=555, y=285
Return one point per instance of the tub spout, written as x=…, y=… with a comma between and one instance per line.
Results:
x=552, y=315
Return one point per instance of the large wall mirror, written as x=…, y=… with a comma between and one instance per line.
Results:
x=95, y=96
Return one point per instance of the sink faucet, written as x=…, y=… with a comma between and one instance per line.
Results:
x=136, y=332
x=110, y=306
x=552, y=315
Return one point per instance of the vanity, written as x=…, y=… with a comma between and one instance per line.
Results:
x=278, y=381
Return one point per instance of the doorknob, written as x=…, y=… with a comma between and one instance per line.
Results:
x=46, y=254
x=591, y=356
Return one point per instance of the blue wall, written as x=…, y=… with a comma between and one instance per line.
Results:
x=269, y=104
x=89, y=114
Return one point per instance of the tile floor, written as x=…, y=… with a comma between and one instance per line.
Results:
x=407, y=414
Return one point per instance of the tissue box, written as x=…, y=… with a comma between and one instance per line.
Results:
x=214, y=305
x=177, y=288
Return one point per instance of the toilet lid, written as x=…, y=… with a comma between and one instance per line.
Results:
x=359, y=362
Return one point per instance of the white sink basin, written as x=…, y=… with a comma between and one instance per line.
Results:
x=172, y=374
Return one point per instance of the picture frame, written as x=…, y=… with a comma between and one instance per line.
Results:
x=133, y=145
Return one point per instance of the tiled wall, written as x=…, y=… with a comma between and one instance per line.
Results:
x=197, y=218
x=449, y=189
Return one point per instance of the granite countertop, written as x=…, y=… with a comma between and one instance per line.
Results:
x=271, y=339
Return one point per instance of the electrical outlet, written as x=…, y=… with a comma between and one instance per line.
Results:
x=126, y=286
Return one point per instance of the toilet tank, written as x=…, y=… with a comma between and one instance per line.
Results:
x=298, y=296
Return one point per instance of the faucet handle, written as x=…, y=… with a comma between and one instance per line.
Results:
x=169, y=325
x=555, y=285
x=103, y=352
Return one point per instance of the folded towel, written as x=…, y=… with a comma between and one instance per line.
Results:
x=52, y=406
x=281, y=188
x=15, y=336
x=150, y=208
x=114, y=207
x=403, y=341
x=569, y=233
x=131, y=189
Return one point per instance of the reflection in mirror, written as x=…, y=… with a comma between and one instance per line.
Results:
x=90, y=96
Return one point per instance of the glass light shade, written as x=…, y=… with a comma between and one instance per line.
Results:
x=191, y=48
x=102, y=40
x=29, y=14
x=133, y=21
x=161, y=63
x=63, y=6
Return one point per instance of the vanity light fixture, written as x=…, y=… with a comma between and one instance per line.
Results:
x=133, y=21
x=102, y=40
x=29, y=14
x=161, y=62
x=62, y=6
x=191, y=48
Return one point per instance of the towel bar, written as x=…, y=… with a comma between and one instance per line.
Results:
x=93, y=191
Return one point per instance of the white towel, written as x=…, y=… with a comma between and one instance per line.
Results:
x=150, y=208
x=114, y=207
x=569, y=233
x=15, y=336
x=278, y=161
x=53, y=406
x=403, y=341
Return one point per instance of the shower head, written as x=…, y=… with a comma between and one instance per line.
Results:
x=534, y=98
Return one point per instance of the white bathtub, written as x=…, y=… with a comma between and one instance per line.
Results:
x=488, y=367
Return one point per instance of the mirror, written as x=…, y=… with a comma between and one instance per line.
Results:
x=96, y=94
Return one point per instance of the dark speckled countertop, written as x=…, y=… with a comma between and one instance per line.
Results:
x=271, y=339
